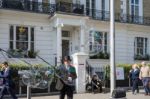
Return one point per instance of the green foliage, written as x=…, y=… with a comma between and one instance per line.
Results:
x=32, y=54
x=142, y=57
x=126, y=67
x=100, y=55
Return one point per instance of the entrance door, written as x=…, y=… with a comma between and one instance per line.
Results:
x=65, y=48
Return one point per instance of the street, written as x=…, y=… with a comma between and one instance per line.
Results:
x=95, y=96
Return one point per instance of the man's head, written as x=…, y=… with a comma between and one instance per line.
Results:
x=5, y=64
x=66, y=60
x=143, y=63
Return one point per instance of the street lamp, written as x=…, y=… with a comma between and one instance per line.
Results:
x=112, y=48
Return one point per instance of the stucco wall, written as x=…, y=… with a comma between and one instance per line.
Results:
x=44, y=33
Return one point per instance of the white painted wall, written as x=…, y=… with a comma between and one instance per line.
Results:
x=45, y=39
x=45, y=35
x=124, y=39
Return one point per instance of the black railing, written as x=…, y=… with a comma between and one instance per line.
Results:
x=25, y=5
x=40, y=7
x=98, y=14
x=123, y=18
x=70, y=8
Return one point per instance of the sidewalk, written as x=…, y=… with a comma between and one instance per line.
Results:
x=95, y=96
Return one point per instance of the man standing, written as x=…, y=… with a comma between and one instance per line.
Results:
x=145, y=77
x=68, y=75
x=7, y=81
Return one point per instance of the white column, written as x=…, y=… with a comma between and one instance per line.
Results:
x=59, y=44
x=82, y=37
x=79, y=60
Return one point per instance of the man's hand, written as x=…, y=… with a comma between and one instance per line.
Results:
x=70, y=79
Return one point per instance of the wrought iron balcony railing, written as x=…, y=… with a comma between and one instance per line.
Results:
x=123, y=18
x=40, y=7
x=70, y=8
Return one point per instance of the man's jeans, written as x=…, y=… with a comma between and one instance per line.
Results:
x=145, y=81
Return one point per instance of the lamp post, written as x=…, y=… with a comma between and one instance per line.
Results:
x=112, y=48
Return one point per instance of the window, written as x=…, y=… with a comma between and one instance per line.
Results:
x=87, y=7
x=98, y=41
x=93, y=8
x=21, y=38
x=140, y=46
x=103, y=5
x=135, y=10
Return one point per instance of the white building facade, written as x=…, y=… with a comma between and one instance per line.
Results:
x=56, y=29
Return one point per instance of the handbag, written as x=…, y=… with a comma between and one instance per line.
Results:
x=59, y=84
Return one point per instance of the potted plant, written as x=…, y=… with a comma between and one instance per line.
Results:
x=32, y=54
x=142, y=57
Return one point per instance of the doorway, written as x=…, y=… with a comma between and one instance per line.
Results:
x=65, y=48
x=65, y=43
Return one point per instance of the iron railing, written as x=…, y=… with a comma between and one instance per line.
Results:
x=70, y=8
x=40, y=7
x=123, y=18
x=26, y=5
x=98, y=14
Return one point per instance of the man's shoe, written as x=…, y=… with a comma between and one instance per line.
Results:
x=146, y=94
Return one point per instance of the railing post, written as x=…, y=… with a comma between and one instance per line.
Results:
x=49, y=88
x=28, y=92
x=20, y=88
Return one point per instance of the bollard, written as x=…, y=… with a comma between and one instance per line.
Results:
x=28, y=92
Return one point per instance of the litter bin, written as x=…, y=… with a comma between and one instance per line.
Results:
x=119, y=94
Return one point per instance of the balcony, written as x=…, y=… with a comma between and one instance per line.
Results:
x=122, y=18
x=70, y=8
x=40, y=7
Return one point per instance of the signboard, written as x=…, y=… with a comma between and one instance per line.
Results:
x=119, y=73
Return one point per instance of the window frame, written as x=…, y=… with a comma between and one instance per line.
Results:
x=104, y=41
x=135, y=10
x=141, y=47
x=30, y=41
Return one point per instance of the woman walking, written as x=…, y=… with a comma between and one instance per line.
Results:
x=135, y=78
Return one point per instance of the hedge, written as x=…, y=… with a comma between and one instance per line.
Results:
x=127, y=68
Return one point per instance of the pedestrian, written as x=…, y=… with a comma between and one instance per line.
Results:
x=8, y=84
x=145, y=77
x=134, y=73
x=96, y=84
x=67, y=72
